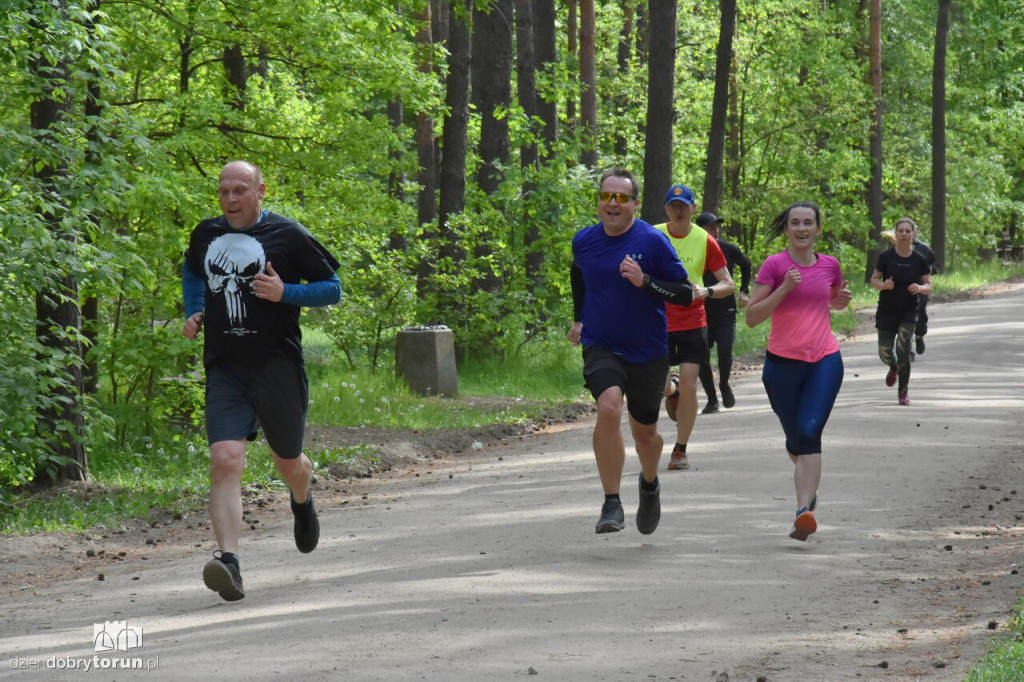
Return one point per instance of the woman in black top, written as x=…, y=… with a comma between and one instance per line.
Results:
x=901, y=276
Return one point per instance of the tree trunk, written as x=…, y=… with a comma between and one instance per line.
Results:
x=643, y=35
x=491, y=91
x=572, y=38
x=440, y=16
x=453, y=159
x=440, y=13
x=546, y=58
x=875, y=186
x=90, y=306
x=234, y=71
x=60, y=419
x=714, y=174
x=184, y=62
x=528, y=153
x=491, y=68
x=396, y=179
x=622, y=60
x=425, y=144
x=939, y=136
x=588, y=85
x=733, y=165
x=660, y=112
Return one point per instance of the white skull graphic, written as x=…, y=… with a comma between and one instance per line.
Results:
x=232, y=261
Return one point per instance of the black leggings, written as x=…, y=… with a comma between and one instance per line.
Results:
x=922, y=315
x=722, y=335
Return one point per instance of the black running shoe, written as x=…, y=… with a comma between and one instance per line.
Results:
x=224, y=578
x=728, y=399
x=612, y=518
x=307, y=527
x=710, y=408
x=648, y=513
x=919, y=345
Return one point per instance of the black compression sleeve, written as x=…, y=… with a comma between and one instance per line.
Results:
x=576, y=280
x=680, y=293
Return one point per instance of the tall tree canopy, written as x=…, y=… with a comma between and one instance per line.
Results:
x=150, y=99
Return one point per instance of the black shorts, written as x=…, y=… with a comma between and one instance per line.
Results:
x=688, y=346
x=891, y=320
x=641, y=382
x=272, y=395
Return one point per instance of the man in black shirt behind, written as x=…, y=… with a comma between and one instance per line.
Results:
x=721, y=314
x=922, y=299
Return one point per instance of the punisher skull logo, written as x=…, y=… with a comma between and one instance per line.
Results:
x=232, y=261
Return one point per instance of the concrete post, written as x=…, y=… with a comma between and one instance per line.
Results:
x=425, y=358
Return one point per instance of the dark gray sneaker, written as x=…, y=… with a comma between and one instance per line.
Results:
x=307, y=526
x=224, y=578
x=648, y=513
x=612, y=518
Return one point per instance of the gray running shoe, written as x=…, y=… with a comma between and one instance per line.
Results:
x=224, y=578
x=648, y=513
x=612, y=517
x=307, y=526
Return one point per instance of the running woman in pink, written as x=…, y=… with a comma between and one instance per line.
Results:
x=803, y=370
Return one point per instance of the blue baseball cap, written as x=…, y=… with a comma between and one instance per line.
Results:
x=679, y=193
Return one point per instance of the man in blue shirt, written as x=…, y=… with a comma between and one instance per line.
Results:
x=623, y=272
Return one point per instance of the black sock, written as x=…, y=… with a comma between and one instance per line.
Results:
x=229, y=558
x=681, y=446
x=649, y=487
x=613, y=496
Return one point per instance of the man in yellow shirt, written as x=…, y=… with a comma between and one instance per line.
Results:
x=688, y=325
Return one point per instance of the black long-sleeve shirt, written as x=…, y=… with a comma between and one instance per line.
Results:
x=733, y=257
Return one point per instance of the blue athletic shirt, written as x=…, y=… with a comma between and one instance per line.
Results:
x=625, y=319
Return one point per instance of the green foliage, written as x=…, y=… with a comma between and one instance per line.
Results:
x=139, y=172
x=547, y=375
x=979, y=275
x=1005, y=661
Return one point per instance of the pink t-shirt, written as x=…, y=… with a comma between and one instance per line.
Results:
x=802, y=322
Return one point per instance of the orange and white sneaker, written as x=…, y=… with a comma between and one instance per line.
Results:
x=804, y=525
x=678, y=459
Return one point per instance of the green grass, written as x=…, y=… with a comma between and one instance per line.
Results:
x=980, y=275
x=531, y=382
x=1005, y=663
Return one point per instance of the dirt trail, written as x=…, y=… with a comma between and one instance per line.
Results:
x=485, y=565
